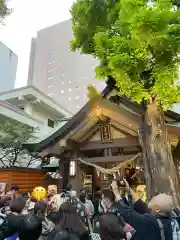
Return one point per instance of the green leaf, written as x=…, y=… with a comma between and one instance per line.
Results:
x=137, y=43
x=4, y=10
x=13, y=136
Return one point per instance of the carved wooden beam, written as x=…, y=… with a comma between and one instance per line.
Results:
x=110, y=159
x=120, y=142
x=68, y=143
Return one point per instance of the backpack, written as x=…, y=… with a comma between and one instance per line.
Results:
x=175, y=229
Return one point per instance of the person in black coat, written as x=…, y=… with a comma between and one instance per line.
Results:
x=97, y=200
x=146, y=225
x=110, y=206
x=31, y=228
x=110, y=229
x=27, y=227
x=13, y=220
x=70, y=226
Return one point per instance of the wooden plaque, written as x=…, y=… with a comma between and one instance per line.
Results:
x=105, y=130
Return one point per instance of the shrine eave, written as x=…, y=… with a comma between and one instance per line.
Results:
x=83, y=117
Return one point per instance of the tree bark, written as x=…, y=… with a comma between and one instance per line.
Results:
x=160, y=172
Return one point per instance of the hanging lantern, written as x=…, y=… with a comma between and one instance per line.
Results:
x=98, y=173
x=72, y=168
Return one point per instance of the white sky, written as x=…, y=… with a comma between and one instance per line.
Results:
x=27, y=18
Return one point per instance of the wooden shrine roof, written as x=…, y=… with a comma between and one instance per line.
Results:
x=127, y=114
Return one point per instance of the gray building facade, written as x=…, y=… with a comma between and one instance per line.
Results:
x=8, y=68
x=57, y=71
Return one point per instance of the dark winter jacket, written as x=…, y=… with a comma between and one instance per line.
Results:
x=141, y=207
x=96, y=203
x=64, y=235
x=26, y=226
x=146, y=225
x=10, y=226
x=31, y=228
x=53, y=217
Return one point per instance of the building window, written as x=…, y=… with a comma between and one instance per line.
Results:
x=51, y=70
x=50, y=86
x=50, y=78
x=50, y=123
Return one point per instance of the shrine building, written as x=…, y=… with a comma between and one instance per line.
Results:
x=103, y=133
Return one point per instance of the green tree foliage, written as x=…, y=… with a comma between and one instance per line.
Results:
x=13, y=136
x=137, y=43
x=176, y=3
x=92, y=92
x=4, y=10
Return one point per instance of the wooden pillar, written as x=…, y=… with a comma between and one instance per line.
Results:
x=61, y=172
x=64, y=172
x=95, y=180
x=78, y=179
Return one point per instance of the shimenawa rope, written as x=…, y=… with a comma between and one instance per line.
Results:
x=113, y=170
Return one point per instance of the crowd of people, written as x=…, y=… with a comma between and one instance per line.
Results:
x=107, y=215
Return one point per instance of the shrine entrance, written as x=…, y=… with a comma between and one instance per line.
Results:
x=93, y=177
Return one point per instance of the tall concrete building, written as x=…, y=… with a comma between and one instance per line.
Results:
x=57, y=71
x=8, y=68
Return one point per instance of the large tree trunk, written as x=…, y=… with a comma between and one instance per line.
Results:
x=160, y=173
